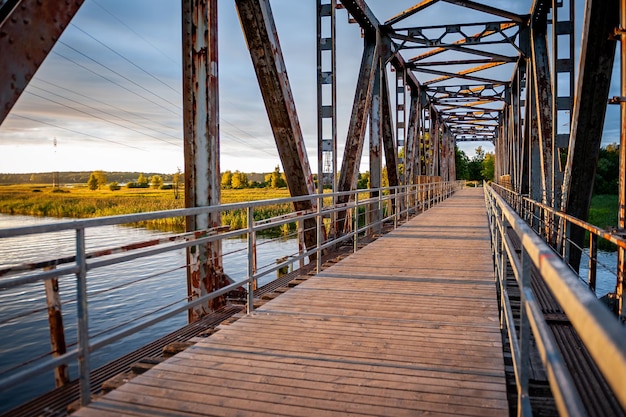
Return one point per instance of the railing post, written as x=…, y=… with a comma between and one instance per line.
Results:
x=82, y=317
x=251, y=260
x=523, y=404
x=407, y=203
x=301, y=242
x=55, y=323
x=593, y=261
x=356, y=222
x=395, y=208
x=319, y=222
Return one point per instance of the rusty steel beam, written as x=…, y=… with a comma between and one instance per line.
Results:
x=28, y=31
x=201, y=147
x=621, y=212
x=358, y=120
x=257, y=22
x=389, y=143
x=488, y=9
x=261, y=35
x=410, y=11
x=412, y=139
x=376, y=127
x=543, y=103
x=594, y=80
x=55, y=324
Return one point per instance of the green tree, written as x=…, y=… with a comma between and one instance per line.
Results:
x=239, y=180
x=227, y=180
x=363, y=181
x=142, y=182
x=114, y=186
x=278, y=181
x=176, y=180
x=461, y=161
x=101, y=176
x=475, y=166
x=92, y=182
x=607, y=171
x=488, y=170
x=156, y=181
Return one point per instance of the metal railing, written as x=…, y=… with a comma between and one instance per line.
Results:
x=366, y=215
x=557, y=229
x=600, y=331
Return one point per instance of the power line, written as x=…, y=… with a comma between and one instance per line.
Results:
x=109, y=114
x=76, y=131
x=115, y=82
x=118, y=74
x=100, y=118
x=126, y=111
x=134, y=31
x=128, y=60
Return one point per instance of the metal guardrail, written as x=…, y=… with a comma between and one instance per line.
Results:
x=600, y=331
x=390, y=204
x=557, y=227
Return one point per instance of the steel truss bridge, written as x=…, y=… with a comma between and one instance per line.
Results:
x=511, y=79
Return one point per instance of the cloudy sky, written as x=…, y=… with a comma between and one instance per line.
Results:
x=109, y=93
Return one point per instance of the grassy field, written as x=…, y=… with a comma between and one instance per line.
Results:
x=80, y=202
x=603, y=212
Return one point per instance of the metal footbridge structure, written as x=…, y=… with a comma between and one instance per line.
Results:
x=471, y=305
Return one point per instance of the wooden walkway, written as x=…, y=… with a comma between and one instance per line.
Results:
x=407, y=326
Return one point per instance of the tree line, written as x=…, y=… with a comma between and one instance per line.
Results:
x=238, y=180
x=99, y=180
x=481, y=167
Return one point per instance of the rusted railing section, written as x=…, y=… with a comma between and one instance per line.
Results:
x=601, y=333
x=394, y=205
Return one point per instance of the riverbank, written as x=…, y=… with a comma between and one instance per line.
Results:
x=78, y=202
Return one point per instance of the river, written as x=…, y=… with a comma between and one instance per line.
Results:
x=139, y=286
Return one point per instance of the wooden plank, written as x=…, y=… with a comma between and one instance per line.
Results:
x=406, y=326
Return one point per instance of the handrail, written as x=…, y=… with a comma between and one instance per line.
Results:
x=557, y=228
x=397, y=202
x=600, y=331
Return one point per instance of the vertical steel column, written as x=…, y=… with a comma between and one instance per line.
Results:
x=376, y=126
x=535, y=172
x=516, y=133
x=401, y=123
x=561, y=103
x=55, y=324
x=411, y=155
x=543, y=104
x=389, y=142
x=326, y=100
x=201, y=146
x=594, y=81
x=621, y=213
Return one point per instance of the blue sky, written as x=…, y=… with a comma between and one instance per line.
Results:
x=110, y=91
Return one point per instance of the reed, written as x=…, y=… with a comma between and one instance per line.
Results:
x=79, y=202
